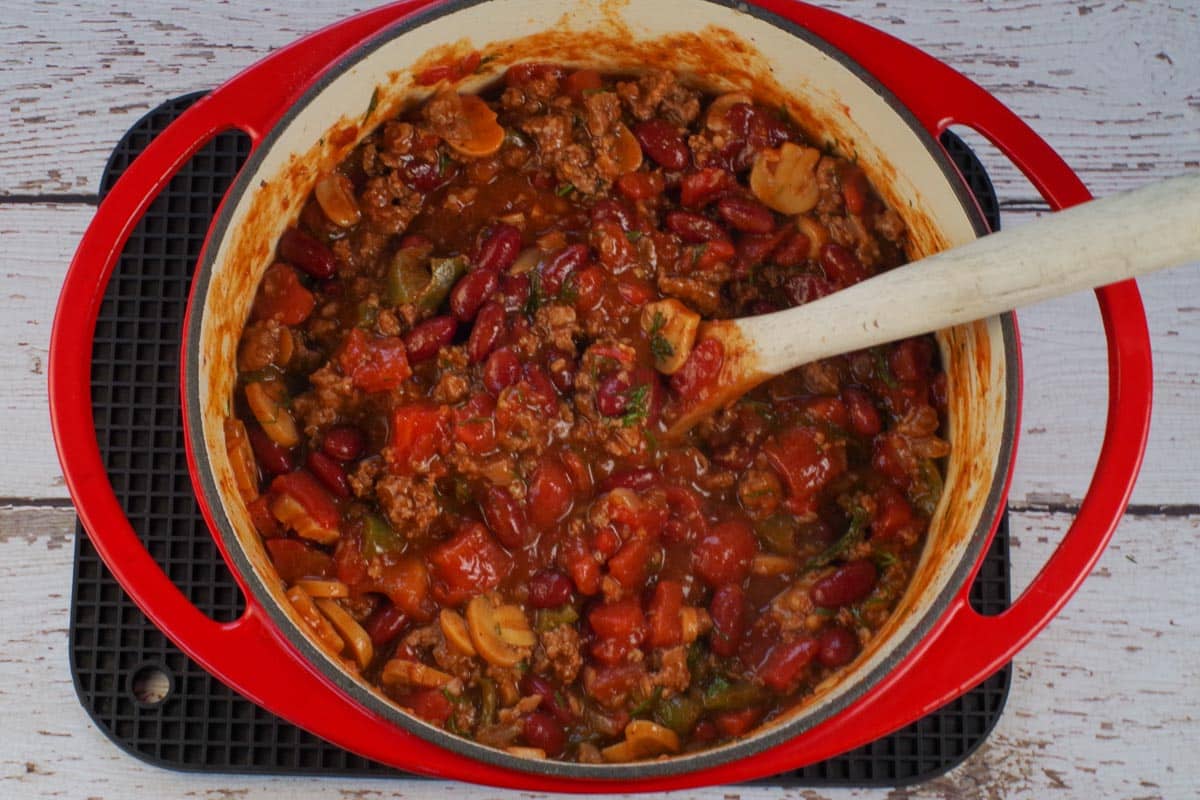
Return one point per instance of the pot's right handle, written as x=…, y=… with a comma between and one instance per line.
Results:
x=967, y=647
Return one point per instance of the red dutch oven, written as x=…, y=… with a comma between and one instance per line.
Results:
x=869, y=95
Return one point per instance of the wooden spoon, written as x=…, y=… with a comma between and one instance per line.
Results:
x=1090, y=245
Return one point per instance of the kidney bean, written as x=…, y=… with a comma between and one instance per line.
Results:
x=544, y=731
x=541, y=390
x=514, y=291
x=532, y=683
x=697, y=189
x=693, y=228
x=611, y=397
x=425, y=176
x=786, y=661
x=663, y=142
x=635, y=291
x=499, y=249
x=841, y=266
x=639, y=479
x=753, y=249
x=386, y=624
x=306, y=253
x=329, y=472
x=608, y=210
x=273, y=457
x=864, y=417
x=838, y=647
x=746, y=215
x=759, y=128
x=471, y=291
x=486, y=333
x=723, y=556
x=710, y=254
x=426, y=338
x=505, y=517
x=549, y=590
x=550, y=494
x=501, y=370
x=641, y=185
x=562, y=372
x=805, y=287
x=344, y=442
x=727, y=610
x=911, y=360
x=616, y=252
x=849, y=584
x=792, y=251
x=554, y=273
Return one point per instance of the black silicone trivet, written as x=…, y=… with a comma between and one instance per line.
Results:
x=118, y=657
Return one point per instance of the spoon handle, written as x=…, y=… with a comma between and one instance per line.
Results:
x=1090, y=245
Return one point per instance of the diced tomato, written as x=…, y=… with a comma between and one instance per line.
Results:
x=550, y=494
x=686, y=522
x=431, y=705
x=576, y=560
x=434, y=74
x=294, y=560
x=419, y=433
x=702, y=367
x=700, y=188
x=855, y=189
x=351, y=565
x=281, y=296
x=713, y=253
x=611, y=686
x=786, y=662
x=467, y=564
x=260, y=514
x=580, y=82
x=807, y=461
x=622, y=620
x=631, y=564
x=737, y=723
x=727, y=609
x=315, y=502
x=606, y=542
x=665, y=607
x=450, y=70
x=520, y=74
x=475, y=425
x=373, y=364
x=723, y=556
x=405, y=581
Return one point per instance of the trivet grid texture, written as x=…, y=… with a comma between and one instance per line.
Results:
x=200, y=724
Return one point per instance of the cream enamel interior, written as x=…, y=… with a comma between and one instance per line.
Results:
x=896, y=159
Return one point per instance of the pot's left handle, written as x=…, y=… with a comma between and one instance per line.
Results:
x=252, y=102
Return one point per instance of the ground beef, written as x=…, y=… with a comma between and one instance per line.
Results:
x=759, y=492
x=556, y=323
x=672, y=673
x=701, y=294
x=362, y=478
x=559, y=653
x=411, y=503
x=261, y=345
x=389, y=204
x=332, y=394
x=658, y=92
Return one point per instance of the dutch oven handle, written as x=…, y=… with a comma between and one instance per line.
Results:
x=246, y=652
x=966, y=647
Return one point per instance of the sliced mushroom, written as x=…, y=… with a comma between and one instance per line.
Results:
x=241, y=459
x=324, y=588
x=315, y=620
x=292, y=513
x=484, y=134
x=643, y=739
x=815, y=233
x=501, y=634
x=771, y=565
x=785, y=179
x=454, y=628
x=526, y=752
x=405, y=672
x=351, y=631
x=267, y=400
x=526, y=261
x=718, y=110
x=628, y=151
x=671, y=327
x=335, y=196
x=694, y=623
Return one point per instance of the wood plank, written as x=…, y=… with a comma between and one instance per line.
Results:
x=1120, y=108
x=1065, y=364
x=1095, y=709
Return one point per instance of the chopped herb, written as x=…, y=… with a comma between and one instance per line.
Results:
x=633, y=236
x=484, y=62
x=1130, y=559
x=637, y=406
x=698, y=252
x=570, y=290
x=885, y=559
x=443, y=163
x=565, y=189
x=596, y=90
x=651, y=440
x=647, y=703
x=882, y=371
x=659, y=346
x=535, y=294
x=859, y=517
x=451, y=696
x=372, y=104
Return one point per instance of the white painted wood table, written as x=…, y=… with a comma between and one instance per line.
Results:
x=1104, y=703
